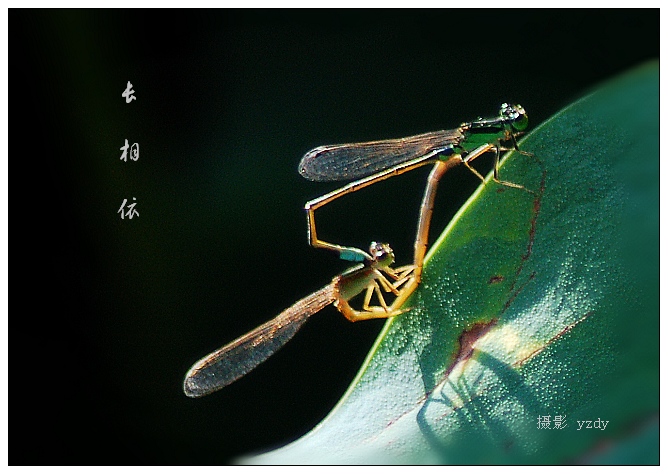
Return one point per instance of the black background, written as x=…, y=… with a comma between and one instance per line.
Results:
x=107, y=314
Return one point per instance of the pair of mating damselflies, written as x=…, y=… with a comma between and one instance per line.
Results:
x=364, y=164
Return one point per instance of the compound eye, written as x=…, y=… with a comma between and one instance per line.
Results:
x=381, y=252
x=515, y=116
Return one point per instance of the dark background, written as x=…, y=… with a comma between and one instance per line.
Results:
x=107, y=315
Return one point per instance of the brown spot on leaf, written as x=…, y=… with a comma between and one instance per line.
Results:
x=495, y=279
x=467, y=341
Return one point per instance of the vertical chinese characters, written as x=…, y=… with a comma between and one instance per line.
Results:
x=130, y=211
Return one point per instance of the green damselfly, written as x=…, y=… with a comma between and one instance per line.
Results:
x=370, y=162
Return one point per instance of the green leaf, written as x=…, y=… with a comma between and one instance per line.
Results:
x=530, y=306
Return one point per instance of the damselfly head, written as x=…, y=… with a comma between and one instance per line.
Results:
x=382, y=254
x=515, y=116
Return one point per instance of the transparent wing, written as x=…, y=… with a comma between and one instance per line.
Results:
x=356, y=160
x=236, y=359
